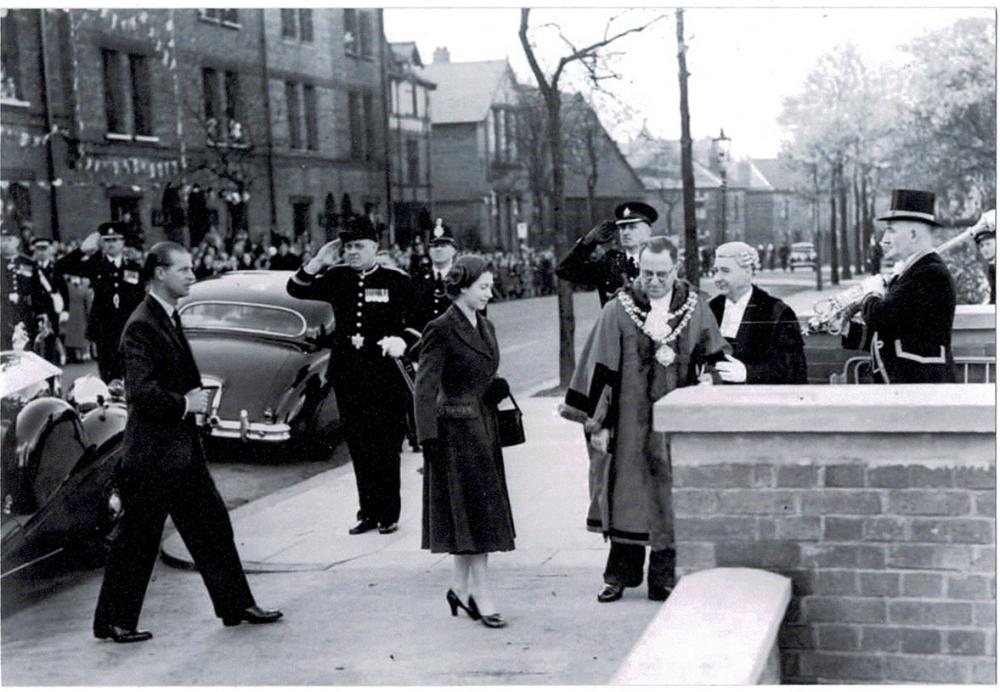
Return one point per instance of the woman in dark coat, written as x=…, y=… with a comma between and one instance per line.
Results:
x=466, y=507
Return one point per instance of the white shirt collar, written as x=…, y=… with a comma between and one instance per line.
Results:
x=170, y=309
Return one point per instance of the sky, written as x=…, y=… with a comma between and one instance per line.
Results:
x=742, y=62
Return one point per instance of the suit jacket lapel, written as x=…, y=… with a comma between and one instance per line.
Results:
x=751, y=318
x=168, y=326
x=467, y=333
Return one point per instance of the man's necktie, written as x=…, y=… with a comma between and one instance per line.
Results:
x=631, y=267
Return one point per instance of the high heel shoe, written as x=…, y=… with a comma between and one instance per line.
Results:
x=455, y=603
x=494, y=620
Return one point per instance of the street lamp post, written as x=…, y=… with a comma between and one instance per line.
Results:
x=722, y=151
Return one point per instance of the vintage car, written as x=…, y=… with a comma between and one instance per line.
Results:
x=802, y=255
x=58, y=459
x=266, y=354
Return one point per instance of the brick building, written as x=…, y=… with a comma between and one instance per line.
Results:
x=268, y=118
x=409, y=143
x=479, y=187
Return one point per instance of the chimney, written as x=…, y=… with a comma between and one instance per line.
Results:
x=441, y=55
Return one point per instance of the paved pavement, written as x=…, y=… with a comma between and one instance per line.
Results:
x=365, y=609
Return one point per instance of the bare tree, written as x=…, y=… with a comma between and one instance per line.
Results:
x=590, y=57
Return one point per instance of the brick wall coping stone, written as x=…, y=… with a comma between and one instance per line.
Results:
x=913, y=408
x=718, y=627
x=975, y=317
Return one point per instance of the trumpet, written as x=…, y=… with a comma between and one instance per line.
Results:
x=833, y=314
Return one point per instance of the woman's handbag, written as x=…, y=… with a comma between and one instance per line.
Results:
x=510, y=427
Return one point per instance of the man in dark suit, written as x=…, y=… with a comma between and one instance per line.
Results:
x=163, y=470
x=372, y=305
x=118, y=289
x=53, y=295
x=910, y=318
x=615, y=268
x=763, y=331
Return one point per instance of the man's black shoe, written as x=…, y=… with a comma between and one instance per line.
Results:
x=659, y=593
x=121, y=635
x=388, y=528
x=253, y=615
x=363, y=526
x=610, y=592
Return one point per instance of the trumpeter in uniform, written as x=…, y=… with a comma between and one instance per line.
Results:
x=615, y=268
x=430, y=299
x=372, y=305
x=910, y=317
x=118, y=290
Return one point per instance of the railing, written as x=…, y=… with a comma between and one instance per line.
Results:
x=979, y=369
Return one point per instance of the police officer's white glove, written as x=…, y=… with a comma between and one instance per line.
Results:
x=13, y=297
x=63, y=317
x=91, y=244
x=392, y=346
x=873, y=285
x=732, y=370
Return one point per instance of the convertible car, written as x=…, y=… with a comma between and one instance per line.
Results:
x=58, y=457
x=265, y=354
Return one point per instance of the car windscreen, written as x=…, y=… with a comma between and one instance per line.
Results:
x=243, y=317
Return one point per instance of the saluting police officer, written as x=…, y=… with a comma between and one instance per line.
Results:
x=118, y=289
x=614, y=269
x=18, y=276
x=428, y=282
x=372, y=305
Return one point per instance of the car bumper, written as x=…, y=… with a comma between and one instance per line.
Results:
x=250, y=432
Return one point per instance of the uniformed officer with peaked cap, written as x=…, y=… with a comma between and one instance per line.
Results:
x=118, y=288
x=633, y=222
x=430, y=299
x=372, y=305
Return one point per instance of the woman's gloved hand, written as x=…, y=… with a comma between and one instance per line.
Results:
x=497, y=390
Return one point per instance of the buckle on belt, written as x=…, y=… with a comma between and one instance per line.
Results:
x=357, y=341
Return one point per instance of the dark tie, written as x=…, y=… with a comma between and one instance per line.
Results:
x=177, y=323
x=631, y=267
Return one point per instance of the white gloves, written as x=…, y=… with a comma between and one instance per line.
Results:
x=392, y=346
x=599, y=440
x=732, y=370
x=873, y=285
x=63, y=317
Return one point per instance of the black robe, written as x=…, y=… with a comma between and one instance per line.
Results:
x=769, y=341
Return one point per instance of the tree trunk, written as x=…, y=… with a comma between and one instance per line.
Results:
x=817, y=232
x=692, y=261
x=845, y=248
x=834, y=255
x=859, y=254
x=567, y=320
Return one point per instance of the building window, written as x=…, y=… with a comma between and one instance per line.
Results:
x=312, y=133
x=297, y=25
x=16, y=205
x=301, y=100
x=10, y=64
x=503, y=133
x=294, y=115
x=127, y=94
x=301, y=217
x=358, y=38
x=351, y=30
x=223, y=108
x=368, y=114
x=228, y=17
x=356, y=124
x=413, y=161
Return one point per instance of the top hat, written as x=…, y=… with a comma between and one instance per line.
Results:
x=110, y=230
x=441, y=235
x=911, y=205
x=358, y=228
x=633, y=212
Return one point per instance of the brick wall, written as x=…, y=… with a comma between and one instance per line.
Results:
x=889, y=540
